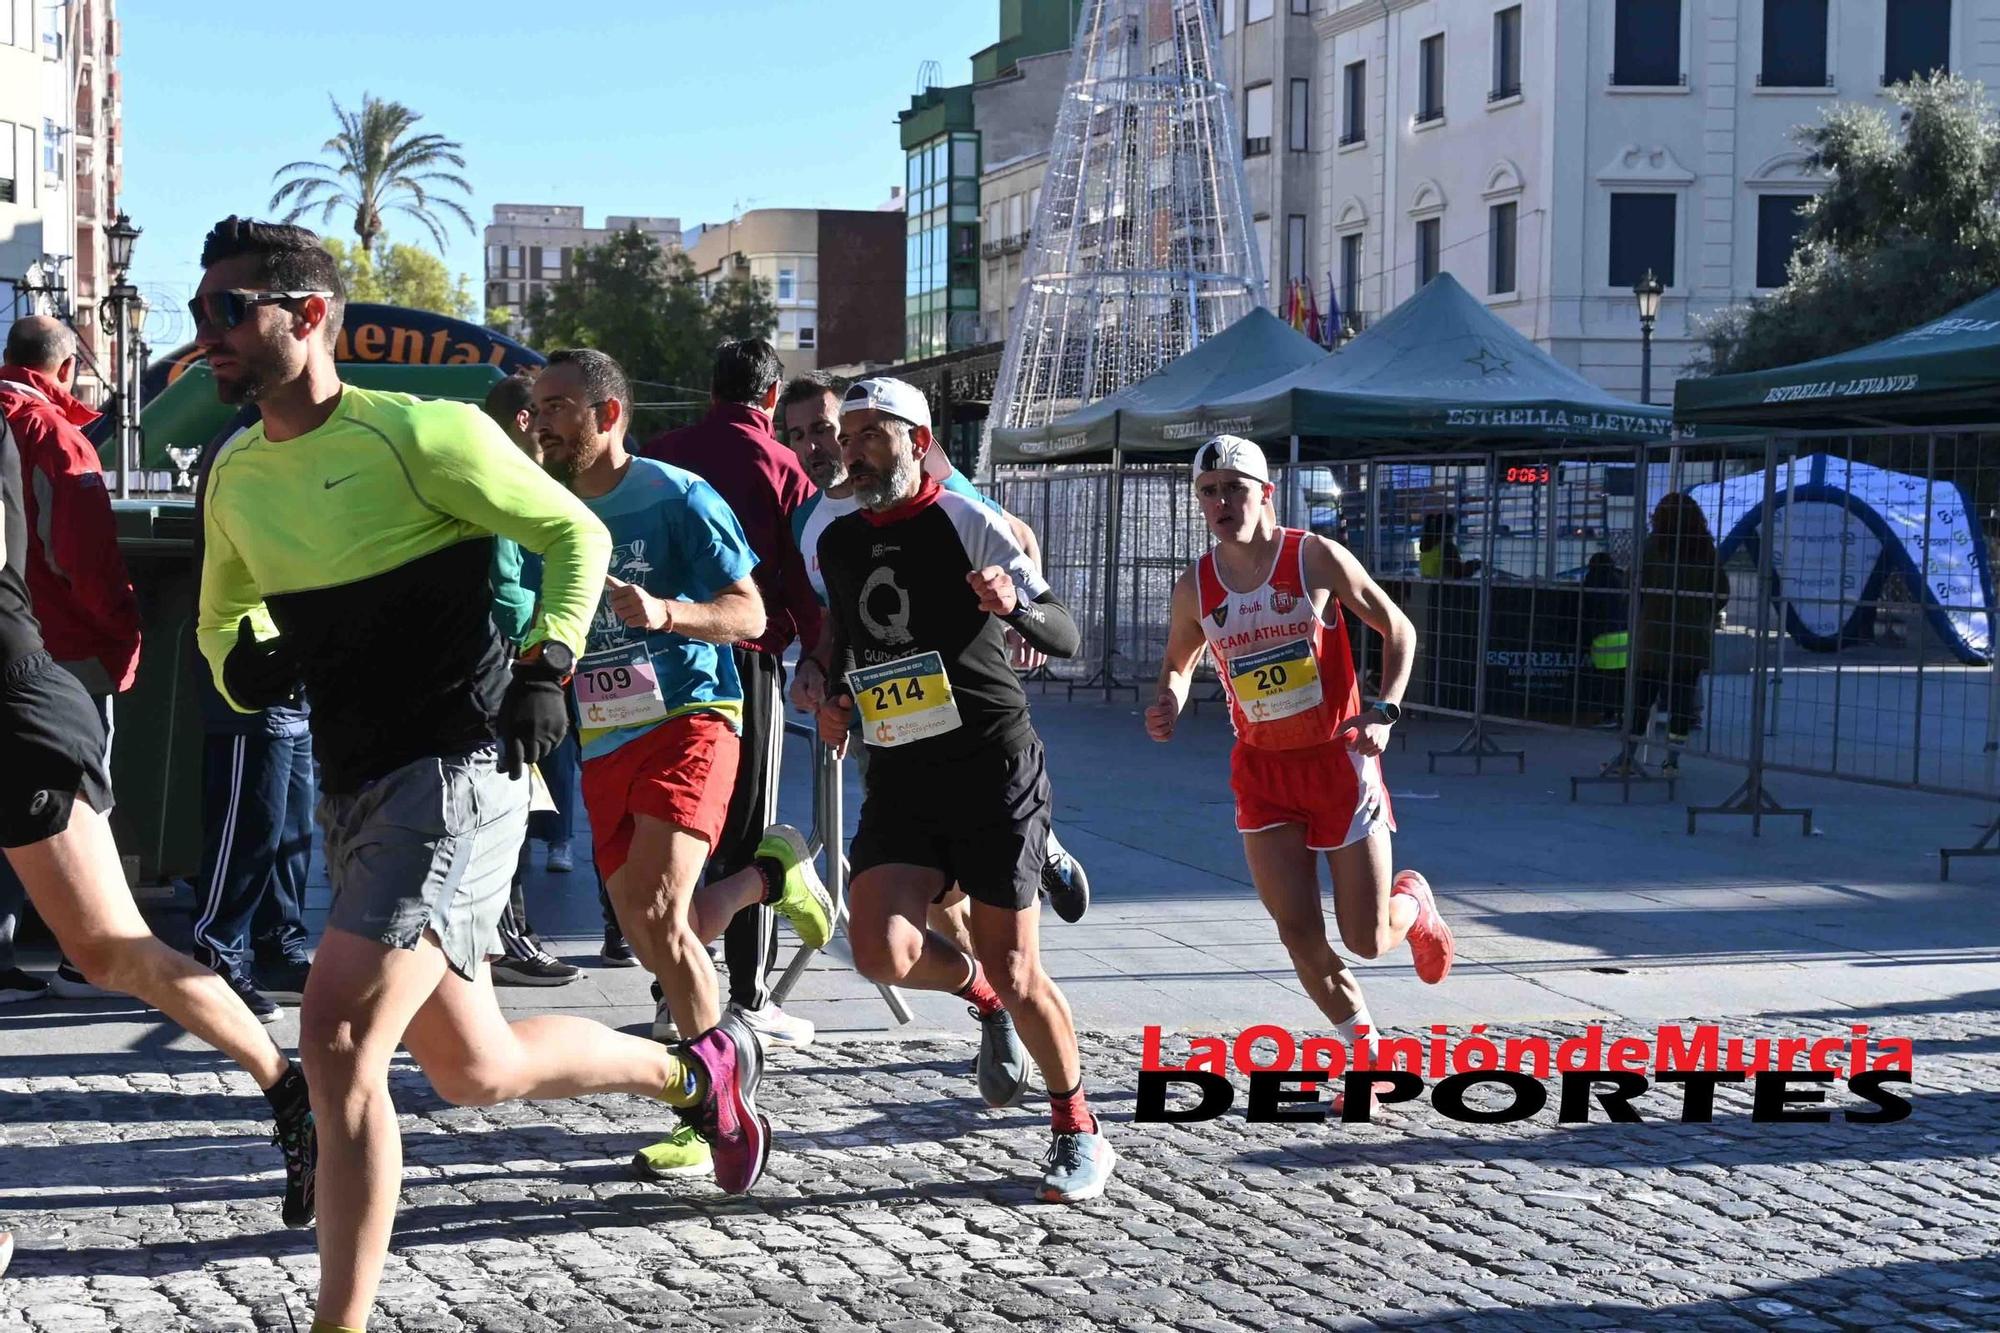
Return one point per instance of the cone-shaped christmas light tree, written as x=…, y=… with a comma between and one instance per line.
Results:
x=1142, y=247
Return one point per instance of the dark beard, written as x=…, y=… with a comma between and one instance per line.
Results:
x=563, y=469
x=248, y=387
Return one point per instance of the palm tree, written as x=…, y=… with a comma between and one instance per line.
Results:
x=377, y=165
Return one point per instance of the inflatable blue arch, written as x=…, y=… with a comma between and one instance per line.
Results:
x=1901, y=513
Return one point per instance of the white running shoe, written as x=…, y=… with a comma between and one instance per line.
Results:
x=775, y=1026
x=663, y=1023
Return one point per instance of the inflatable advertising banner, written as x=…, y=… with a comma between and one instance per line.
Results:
x=383, y=333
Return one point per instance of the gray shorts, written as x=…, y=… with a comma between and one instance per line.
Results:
x=431, y=846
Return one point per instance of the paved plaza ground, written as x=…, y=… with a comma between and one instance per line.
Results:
x=134, y=1165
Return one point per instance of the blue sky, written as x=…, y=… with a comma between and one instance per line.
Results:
x=683, y=108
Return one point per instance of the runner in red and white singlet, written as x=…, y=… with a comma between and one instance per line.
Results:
x=1289, y=676
x=1306, y=768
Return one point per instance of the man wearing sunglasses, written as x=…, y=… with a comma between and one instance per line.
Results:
x=349, y=536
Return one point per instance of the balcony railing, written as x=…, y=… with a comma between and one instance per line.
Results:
x=1503, y=92
x=1426, y=115
x=1258, y=147
x=1626, y=79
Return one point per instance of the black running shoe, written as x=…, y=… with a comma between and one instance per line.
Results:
x=284, y=980
x=616, y=952
x=261, y=1006
x=541, y=969
x=298, y=1139
x=18, y=987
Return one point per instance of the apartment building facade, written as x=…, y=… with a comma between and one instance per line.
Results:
x=1548, y=153
x=834, y=275
x=61, y=162
x=529, y=247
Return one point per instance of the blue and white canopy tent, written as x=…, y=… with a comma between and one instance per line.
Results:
x=1842, y=529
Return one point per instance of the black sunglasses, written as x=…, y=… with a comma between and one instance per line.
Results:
x=225, y=310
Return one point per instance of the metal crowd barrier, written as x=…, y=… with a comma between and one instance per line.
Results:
x=829, y=821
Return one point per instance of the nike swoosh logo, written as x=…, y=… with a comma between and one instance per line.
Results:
x=337, y=480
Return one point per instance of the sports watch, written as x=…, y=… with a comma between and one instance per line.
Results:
x=1391, y=713
x=553, y=655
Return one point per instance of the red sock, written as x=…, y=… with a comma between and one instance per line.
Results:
x=1070, y=1114
x=983, y=997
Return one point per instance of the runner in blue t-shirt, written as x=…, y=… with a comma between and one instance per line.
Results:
x=657, y=703
x=809, y=421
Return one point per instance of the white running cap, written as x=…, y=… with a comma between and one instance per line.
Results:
x=1232, y=453
x=894, y=397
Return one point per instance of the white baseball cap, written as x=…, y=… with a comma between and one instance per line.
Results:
x=894, y=397
x=1232, y=453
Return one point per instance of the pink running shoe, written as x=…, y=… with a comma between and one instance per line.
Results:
x=1431, y=947
x=733, y=1061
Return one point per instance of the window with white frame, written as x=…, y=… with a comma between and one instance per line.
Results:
x=1794, y=44
x=1642, y=238
x=1257, y=120
x=1430, y=248
x=1916, y=40
x=1646, y=43
x=1506, y=54
x=1430, y=79
x=1298, y=116
x=1227, y=15
x=788, y=283
x=1256, y=11
x=1014, y=205
x=1779, y=225
x=1502, y=224
x=1350, y=273
x=808, y=337
x=1354, y=102
x=52, y=151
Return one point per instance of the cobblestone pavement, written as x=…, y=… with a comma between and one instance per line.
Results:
x=145, y=1200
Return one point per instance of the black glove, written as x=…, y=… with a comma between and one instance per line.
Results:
x=257, y=673
x=533, y=717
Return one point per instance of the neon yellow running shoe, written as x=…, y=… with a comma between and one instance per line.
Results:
x=681, y=1153
x=804, y=900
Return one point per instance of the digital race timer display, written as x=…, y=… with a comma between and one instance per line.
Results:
x=1537, y=474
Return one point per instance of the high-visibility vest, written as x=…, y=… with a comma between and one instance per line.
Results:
x=1608, y=651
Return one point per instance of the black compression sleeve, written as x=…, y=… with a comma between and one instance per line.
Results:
x=1047, y=626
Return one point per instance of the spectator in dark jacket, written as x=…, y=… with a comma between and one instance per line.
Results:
x=1682, y=594
x=75, y=574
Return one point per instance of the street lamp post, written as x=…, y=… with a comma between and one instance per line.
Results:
x=120, y=236
x=1648, y=290
x=134, y=371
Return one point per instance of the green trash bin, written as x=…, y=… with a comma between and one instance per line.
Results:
x=156, y=751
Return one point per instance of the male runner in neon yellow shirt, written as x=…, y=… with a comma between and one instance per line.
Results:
x=359, y=526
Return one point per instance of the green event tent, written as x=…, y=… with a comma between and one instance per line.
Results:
x=1940, y=373
x=1440, y=373
x=1247, y=353
x=186, y=414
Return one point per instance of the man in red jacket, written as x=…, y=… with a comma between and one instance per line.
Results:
x=76, y=577
x=735, y=450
